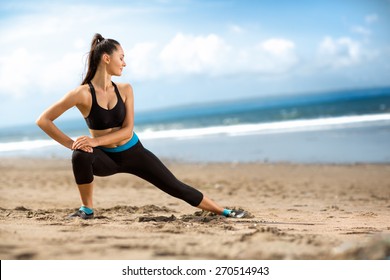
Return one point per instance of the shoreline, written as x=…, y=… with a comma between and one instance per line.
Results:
x=299, y=211
x=345, y=146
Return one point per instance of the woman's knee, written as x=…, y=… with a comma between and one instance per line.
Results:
x=81, y=157
x=82, y=167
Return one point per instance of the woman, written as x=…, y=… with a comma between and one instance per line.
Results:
x=108, y=109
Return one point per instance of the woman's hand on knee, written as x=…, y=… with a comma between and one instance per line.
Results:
x=84, y=143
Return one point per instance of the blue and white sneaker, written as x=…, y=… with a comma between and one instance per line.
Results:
x=82, y=215
x=236, y=214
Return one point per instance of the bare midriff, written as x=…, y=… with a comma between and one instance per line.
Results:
x=103, y=132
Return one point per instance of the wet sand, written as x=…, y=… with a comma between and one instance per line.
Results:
x=295, y=212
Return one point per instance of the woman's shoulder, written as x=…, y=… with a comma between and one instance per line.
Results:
x=79, y=91
x=125, y=89
x=79, y=94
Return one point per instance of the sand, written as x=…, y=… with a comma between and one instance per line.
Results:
x=295, y=212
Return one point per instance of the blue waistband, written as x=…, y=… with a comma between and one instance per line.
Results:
x=124, y=147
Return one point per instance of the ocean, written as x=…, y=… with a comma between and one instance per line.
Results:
x=346, y=126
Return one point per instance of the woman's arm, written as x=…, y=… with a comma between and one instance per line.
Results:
x=117, y=136
x=46, y=120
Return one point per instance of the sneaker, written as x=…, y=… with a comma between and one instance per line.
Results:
x=81, y=214
x=237, y=214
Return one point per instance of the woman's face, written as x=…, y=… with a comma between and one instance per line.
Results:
x=116, y=62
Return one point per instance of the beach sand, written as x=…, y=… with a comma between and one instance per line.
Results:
x=295, y=212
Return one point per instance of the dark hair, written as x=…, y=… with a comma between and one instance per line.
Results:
x=99, y=46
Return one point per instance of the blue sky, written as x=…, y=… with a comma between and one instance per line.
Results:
x=183, y=52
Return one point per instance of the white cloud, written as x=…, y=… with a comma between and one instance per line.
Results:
x=209, y=55
x=194, y=54
x=80, y=44
x=44, y=52
x=17, y=72
x=341, y=52
x=272, y=56
x=64, y=72
x=182, y=55
x=277, y=46
x=141, y=61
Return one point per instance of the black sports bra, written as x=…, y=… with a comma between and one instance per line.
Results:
x=100, y=118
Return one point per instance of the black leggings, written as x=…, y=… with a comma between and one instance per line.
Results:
x=136, y=160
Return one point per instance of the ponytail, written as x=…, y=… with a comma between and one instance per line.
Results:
x=99, y=46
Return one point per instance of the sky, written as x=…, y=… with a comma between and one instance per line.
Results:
x=187, y=51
